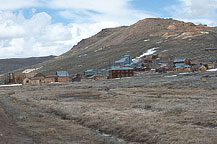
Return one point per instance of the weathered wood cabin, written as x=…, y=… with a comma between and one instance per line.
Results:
x=51, y=79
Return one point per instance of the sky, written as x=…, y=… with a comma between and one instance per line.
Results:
x=32, y=28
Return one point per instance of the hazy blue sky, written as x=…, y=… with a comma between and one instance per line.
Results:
x=52, y=27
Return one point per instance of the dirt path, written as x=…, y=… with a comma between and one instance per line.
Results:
x=10, y=133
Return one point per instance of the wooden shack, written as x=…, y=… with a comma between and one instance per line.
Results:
x=210, y=66
x=19, y=77
x=51, y=79
x=27, y=81
x=182, y=67
x=34, y=79
x=199, y=67
x=37, y=81
x=121, y=72
x=192, y=63
x=76, y=78
x=202, y=68
x=187, y=69
x=181, y=61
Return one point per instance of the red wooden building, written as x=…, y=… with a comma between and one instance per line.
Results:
x=121, y=72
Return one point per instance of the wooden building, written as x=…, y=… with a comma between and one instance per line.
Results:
x=182, y=67
x=38, y=79
x=51, y=79
x=19, y=77
x=181, y=61
x=27, y=81
x=76, y=78
x=34, y=79
x=210, y=66
x=121, y=72
x=62, y=76
x=192, y=63
x=202, y=68
x=199, y=67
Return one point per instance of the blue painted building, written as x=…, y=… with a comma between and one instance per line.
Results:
x=125, y=60
x=136, y=64
x=104, y=72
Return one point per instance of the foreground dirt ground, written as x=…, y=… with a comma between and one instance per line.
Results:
x=148, y=108
x=10, y=133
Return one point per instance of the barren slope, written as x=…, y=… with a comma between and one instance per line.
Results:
x=172, y=37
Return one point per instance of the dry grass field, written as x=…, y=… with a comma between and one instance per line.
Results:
x=149, y=108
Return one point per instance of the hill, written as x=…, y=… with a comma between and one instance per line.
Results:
x=7, y=65
x=172, y=37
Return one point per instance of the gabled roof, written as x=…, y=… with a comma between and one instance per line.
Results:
x=39, y=75
x=34, y=74
x=62, y=73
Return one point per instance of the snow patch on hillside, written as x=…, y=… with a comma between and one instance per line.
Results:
x=171, y=76
x=31, y=70
x=12, y=85
x=212, y=70
x=146, y=40
x=82, y=55
x=148, y=52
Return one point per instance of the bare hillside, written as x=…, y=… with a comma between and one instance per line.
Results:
x=183, y=40
x=7, y=65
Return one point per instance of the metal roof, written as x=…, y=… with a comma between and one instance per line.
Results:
x=122, y=60
x=179, y=60
x=62, y=73
x=182, y=65
x=91, y=70
x=121, y=68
